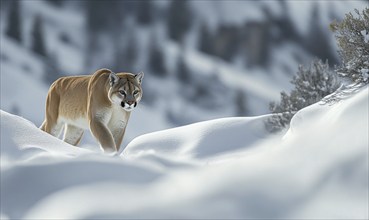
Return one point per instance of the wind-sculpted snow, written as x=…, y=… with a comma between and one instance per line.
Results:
x=34, y=165
x=224, y=168
x=201, y=140
x=22, y=139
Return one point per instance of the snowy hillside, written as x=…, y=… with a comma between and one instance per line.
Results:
x=27, y=96
x=244, y=52
x=224, y=168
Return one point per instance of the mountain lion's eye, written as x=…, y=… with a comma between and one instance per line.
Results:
x=135, y=92
x=122, y=92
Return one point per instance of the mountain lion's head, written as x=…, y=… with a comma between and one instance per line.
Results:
x=125, y=89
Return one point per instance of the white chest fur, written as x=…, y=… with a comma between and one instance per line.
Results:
x=118, y=118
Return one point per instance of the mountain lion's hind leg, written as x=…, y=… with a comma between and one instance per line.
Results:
x=51, y=124
x=72, y=134
x=52, y=127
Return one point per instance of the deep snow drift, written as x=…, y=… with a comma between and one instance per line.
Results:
x=224, y=168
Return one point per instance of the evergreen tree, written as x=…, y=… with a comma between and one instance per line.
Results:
x=38, y=42
x=157, y=60
x=144, y=12
x=241, y=103
x=208, y=92
x=104, y=21
x=183, y=72
x=311, y=85
x=14, y=22
x=52, y=69
x=131, y=52
x=103, y=15
x=226, y=42
x=315, y=82
x=179, y=20
x=317, y=41
x=57, y=3
x=126, y=57
x=352, y=35
x=206, y=43
x=120, y=61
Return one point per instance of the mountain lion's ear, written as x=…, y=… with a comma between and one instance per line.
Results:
x=113, y=78
x=139, y=76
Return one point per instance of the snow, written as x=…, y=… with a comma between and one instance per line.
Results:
x=228, y=12
x=365, y=34
x=260, y=86
x=20, y=58
x=20, y=138
x=223, y=168
x=223, y=135
x=69, y=23
x=365, y=74
x=301, y=11
x=24, y=93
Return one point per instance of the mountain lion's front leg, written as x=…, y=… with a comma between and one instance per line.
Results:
x=99, y=129
x=118, y=135
x=103, y=135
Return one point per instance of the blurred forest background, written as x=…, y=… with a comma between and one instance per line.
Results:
x=202, y=59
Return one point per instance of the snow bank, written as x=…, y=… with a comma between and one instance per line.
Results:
x=201, y=140
x=23, y=93
x=20, y=139
x=224, y=168
x=34, y=165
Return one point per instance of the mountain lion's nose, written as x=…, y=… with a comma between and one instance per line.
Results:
x=130, y=102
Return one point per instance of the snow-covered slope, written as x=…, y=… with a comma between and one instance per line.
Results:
x=224, y=168
x=23, y=93
x=202, y=140
x=67, y=42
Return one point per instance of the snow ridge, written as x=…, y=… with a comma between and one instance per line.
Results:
x=224, y=168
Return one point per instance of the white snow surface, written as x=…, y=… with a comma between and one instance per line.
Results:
x=224, y=168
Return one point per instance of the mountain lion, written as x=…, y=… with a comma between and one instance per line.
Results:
x=101, y=102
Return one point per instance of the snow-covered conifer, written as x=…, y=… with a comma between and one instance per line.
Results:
x=352, y=35
x=38, y=41
x=144, y=12
x=311, y=85
x=179, y=20
x=183, y=71
x=157, y=58
x=206, y=38
x=52, y=70
x=14, y=27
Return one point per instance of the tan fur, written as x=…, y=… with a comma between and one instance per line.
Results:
x=95, y=102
